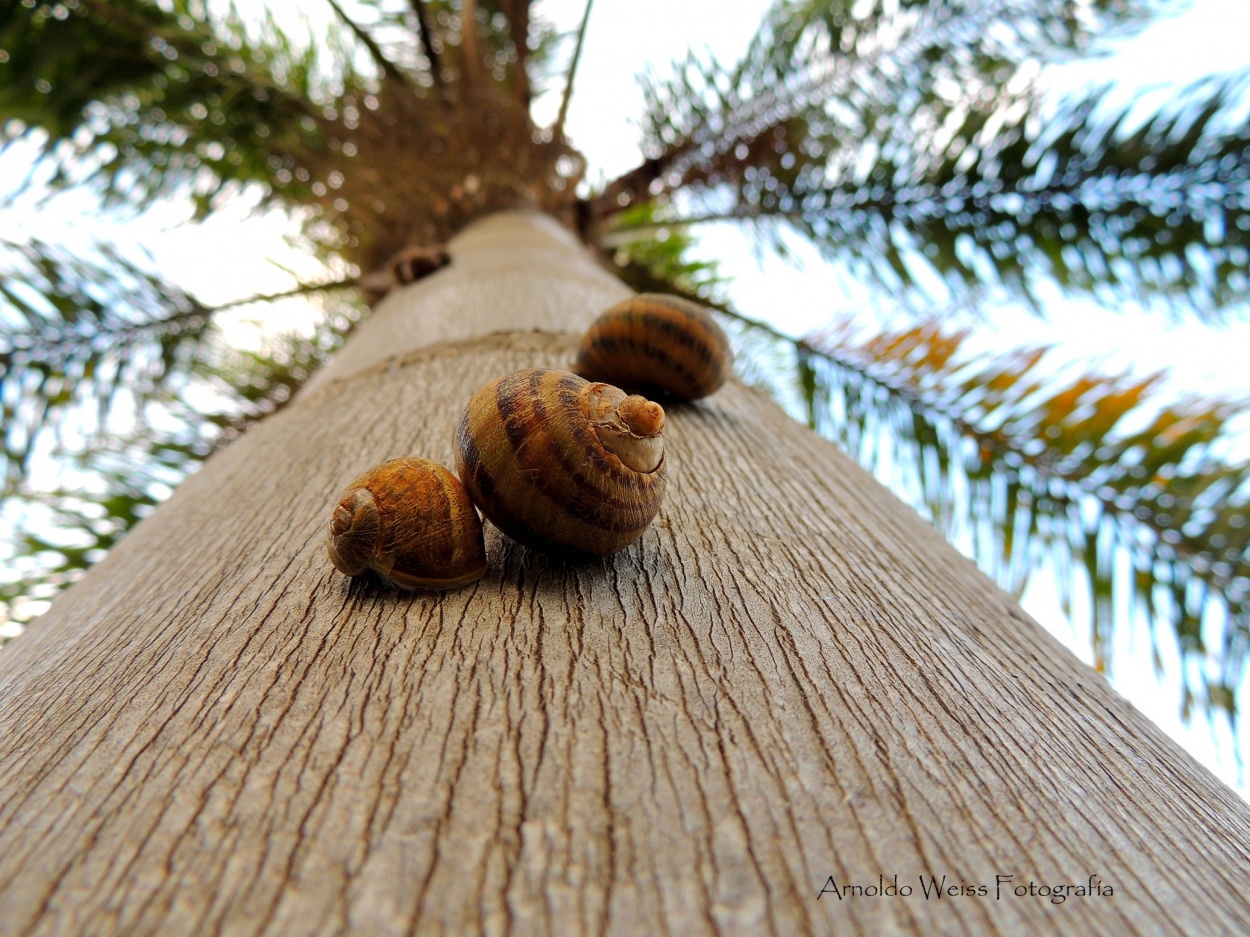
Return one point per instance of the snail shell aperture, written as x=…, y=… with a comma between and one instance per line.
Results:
x=557, y=461
x=411, y=522
x=657, y=342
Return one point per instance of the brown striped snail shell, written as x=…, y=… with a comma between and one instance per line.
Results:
x=557, y=461
x=657, y=342
x=411, y=522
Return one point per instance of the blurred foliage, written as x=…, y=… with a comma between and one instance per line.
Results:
x=78, y=328
x=909, y=140
x=663, y=260
x=141, y=100
x=930, y=160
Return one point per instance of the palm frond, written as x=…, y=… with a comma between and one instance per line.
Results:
x=923, y=156
x=425, y=34
x=471, y=65
x=59, y=533
x=81, y=329
x=141, y=100
x=1088, y=203
x=660, y=261
x=517, y=15
x=831, y=68
x=78, y=328
x=254, y=384
x=364, y=144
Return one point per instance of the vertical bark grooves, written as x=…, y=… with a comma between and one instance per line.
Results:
x=790, y=677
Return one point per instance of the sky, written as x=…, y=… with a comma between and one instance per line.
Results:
x=239, y=254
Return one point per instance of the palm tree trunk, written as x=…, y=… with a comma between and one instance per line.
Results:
x=790, y=687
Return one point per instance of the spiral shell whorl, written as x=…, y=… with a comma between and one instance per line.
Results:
x=654, y=341
x=533, y=461
x=410, y=521
x=354, y=530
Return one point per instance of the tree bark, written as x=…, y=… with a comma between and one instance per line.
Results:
x=789, y=687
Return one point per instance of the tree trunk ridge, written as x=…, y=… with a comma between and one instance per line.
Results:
x=790, y=678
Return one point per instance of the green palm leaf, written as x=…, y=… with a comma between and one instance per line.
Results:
x=917, y=152
x=78, y=328
x=141, y=100
x=1084, y=204
x=840, y=72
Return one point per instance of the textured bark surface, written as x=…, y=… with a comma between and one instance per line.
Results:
x=790, y=677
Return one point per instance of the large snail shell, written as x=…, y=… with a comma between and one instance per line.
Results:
x=410, y=521
x=654, y=341
x=557, y=461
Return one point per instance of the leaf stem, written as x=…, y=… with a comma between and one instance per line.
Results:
x=375, y=51
x=427, y=41
x=557, y=129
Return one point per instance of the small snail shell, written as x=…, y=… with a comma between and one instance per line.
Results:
x=654, y=341
x=557, y=461
x=410, y=521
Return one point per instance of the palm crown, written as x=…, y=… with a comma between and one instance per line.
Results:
x=907, y=140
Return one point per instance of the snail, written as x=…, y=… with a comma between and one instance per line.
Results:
x=557, y=461
x=410, y=521
x=657, y=342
